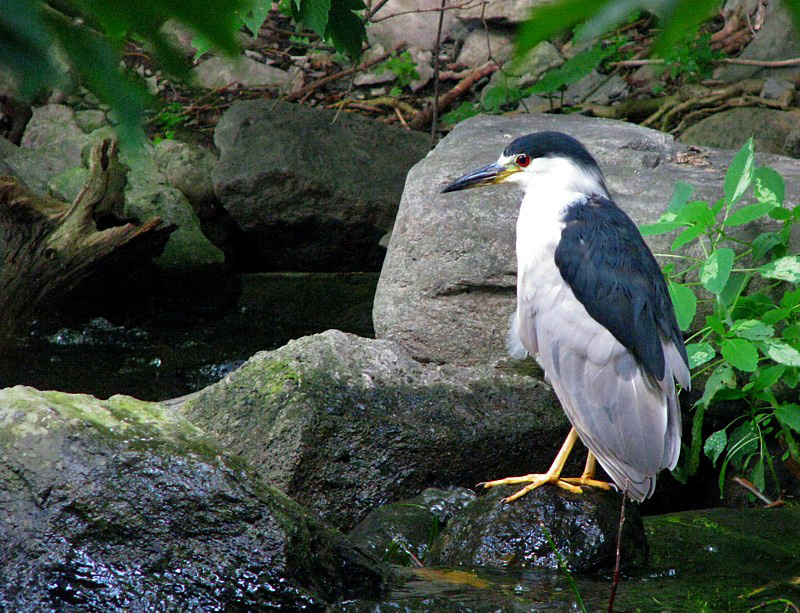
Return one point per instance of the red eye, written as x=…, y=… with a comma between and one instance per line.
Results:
x=523, y=160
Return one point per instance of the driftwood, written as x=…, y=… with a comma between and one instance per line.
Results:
x=48, y=248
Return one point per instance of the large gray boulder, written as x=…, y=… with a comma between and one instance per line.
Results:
x=119, y=504
x=447, y=287
x=344, y=424
x=309, y=193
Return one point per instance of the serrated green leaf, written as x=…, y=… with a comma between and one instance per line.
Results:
x=687, y=236
x=740, y=173
x=740, y=353
x=716, y=270
x=781, y=352
x=790, y=299
x=769, y=185
x=699, y=353
x=753, y=330
x=749, y=213
x=785, y=269
x=789, y=415
x=685, y=303
x=721, y=377
x=715, y=445
x=695, y=212
x=680, y=196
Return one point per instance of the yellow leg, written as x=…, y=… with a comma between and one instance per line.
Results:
x=587, y=478
x=551, y=476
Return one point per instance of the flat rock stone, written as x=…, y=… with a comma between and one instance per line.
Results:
x=773, y=131
x=512, y=11
x=412, y=27
x=309, y=193
x=345, y=424
x=119, y=504
x=478, y=47
x=514, y=536
x=448, y=283
x=217, y=71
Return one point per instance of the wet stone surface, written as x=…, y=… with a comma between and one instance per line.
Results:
x=583, y=528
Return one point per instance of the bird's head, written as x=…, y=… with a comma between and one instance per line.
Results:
x=538, y=160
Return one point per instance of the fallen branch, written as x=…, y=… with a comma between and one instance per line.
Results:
x=48, y=248
x=309, y=89
x=423, y=117
x=726, y=60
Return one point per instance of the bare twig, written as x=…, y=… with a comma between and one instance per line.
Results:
x=615, y=581
x=751, y=487
x=445, y=100
x=435, y=118
x=469, y=4
x=401, y=118
x=726, y=60
x=309, y=89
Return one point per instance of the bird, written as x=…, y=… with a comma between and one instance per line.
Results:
x=594, y=310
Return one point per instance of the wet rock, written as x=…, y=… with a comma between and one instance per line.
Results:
x=771, y=130
x=216, y=72
x=448, y=283
x=583, y=528
x=123, y=505
x=345, y=424
x=319, y=195
x=395, y=532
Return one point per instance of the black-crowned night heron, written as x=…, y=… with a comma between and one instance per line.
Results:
x=593, y=307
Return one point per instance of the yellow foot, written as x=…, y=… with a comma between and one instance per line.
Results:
x=603, y=485
x=534, y=481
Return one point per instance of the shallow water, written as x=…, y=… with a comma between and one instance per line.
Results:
x=183, y=345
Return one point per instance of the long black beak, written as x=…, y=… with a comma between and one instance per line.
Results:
x=488, y=175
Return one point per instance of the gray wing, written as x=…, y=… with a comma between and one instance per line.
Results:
x=626, y=417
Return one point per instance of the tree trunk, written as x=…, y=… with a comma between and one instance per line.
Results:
x=48, y=248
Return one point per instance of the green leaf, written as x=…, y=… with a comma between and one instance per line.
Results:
x=767, y=377
x=753, y=330
x=774, y=316
x=312, y=14
x=715, y=445
x=685, y=303
x=571, y=71
x=721, y=377
x=789, y=415
x=716, y=269
x=748, y=213
x=740, y=173
x=25, y=46
x=781, y=352
x=687, y=236
x=680, y=196
x=790, y=299
x=785, y=269
x=699, y=353
x=733, y=288
x=256, y=14
x=769, y=185
x=553, y=18
x=740, y=353
x=679, y=19
x=763, y=243
x=345, y=28
x=660, y=227
x=695, y=212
